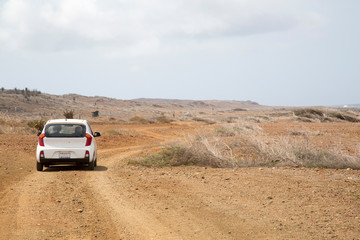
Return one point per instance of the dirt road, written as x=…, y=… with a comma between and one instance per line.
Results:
x=118, y=201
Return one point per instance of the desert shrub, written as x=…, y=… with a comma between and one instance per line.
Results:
x=122, y=132
x=289, y=151
x=69, y=114
x=344, y=116
x=208, y=121
x=243, y=145
x=311, y=115
x=163, y=119
x=224, y=132
x=199, y=153
x=166, y=157
x=259, y=119
x=326, y=159
x=230, y=119
x=141, y=120
x=36, y=124
x=304, y=119
x=239, y=109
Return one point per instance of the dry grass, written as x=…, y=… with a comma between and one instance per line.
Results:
x=106, y=120
x=320, y=115
x=14, y=125
x=163, y=119
x=142, y=120
x=243, y=144
x=208, y=121
x=37, y=124
x=123, y=132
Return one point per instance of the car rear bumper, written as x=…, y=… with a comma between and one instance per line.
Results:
x=57, y=161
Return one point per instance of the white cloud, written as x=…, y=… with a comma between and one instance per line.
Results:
x=135, y=69
x=135, y=27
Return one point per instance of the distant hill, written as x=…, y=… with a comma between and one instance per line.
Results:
x=219, y=104
x=31, y=104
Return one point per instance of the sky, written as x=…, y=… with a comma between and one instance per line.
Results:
x=274, y=52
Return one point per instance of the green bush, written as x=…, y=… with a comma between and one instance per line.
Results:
x=36, y=124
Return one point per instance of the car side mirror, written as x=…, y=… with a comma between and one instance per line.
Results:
x=39, y=133
x=97, y=134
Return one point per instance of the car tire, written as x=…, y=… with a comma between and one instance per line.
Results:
x=95, y=164
x=39, y=166
x=91, y=165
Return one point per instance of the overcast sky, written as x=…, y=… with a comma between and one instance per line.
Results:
x=275, y=52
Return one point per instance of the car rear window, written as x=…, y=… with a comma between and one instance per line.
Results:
x=65, y=130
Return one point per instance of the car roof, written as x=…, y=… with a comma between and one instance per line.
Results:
x=66, y=121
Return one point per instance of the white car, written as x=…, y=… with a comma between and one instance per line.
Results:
x=65, y=141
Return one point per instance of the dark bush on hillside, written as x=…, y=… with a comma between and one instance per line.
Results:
x=163, y=119
x=310, y=115
x=208, y=121
x=69, y=114
x=141, y=120
x=344, y=117
x=36, y=124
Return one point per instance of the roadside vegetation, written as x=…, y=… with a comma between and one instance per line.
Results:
x=244, y=144
x=36, y=124
x=15, y=125
x=122, y=132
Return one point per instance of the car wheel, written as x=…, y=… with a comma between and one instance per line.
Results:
x=91, y=165
x=39, y=166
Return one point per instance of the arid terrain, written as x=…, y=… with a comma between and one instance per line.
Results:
x=278, y=198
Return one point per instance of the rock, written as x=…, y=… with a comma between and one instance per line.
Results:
x=80, y=210
x=269, y=197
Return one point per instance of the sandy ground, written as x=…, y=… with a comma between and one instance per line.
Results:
x=119, y=201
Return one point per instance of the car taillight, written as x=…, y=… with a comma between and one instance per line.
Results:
x=88, y=139
x=87, y=154
x=41, y=140
x=42, y=154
